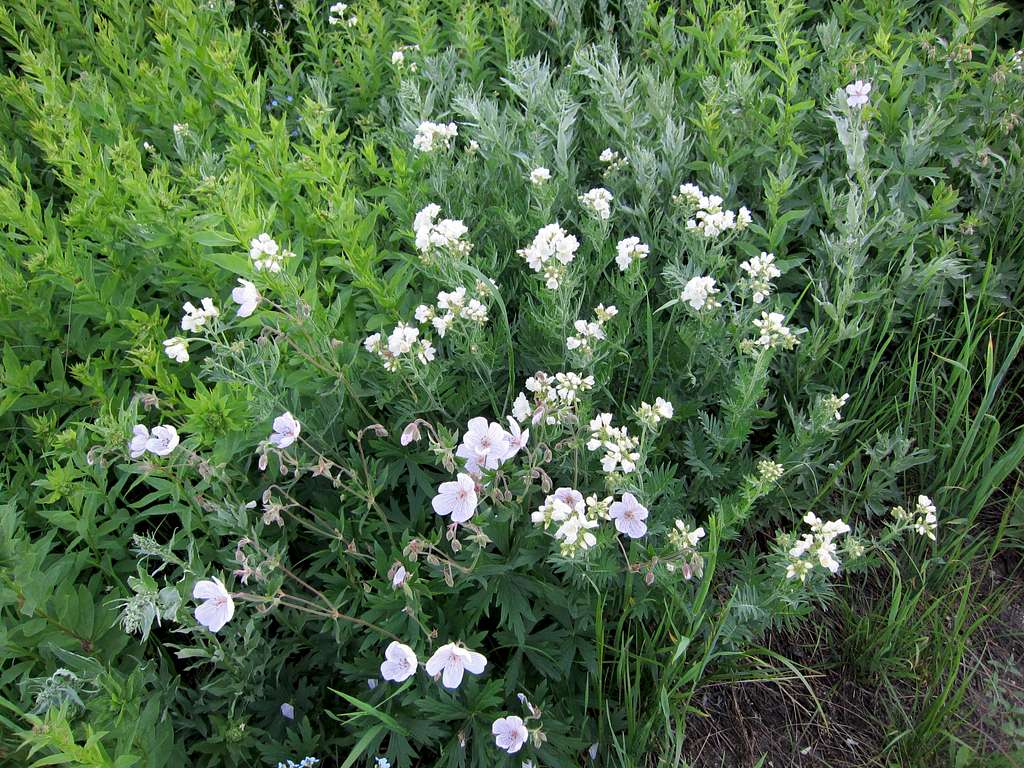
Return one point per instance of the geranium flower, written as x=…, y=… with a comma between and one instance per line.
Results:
x=510, y=733
x=857, y=94
x=456, y=498
x=140, y=438
x=217, y=607
x=286, y=430
x=451, y=660
x=484, y=445
x=517, y=438
x=399, y=662
x=629, y=515
x=162, y=440
x=246, y=297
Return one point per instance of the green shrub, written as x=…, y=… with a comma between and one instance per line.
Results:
x=308, y=366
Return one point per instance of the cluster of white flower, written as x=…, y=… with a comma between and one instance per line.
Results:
x=923, y=520
x=160, y=441
x=630, y=250
x=176, y=348
x=196, y=317
x=651, y=415
x=403, y=341
x=685, y=541
x=613, y=161
x=598, y=201
x=573, y=519
x=769, y=471
x=451, y=307
x=338, y=16
x=817, y=547
x=761, y=270
x=398, y=57
x=540, y=175
x=857, y=94
x=266, y=254
x=446, y=234
x=430, y=136
x=774, y=332
x=707, y=214
x=586, y=332
x=699, y=292
x=834, y=404
x=554, y=397
x=551, y=251
x=620, y=448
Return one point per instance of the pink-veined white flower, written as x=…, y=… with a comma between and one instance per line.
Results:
x=484, y=444
x=456, y=498
x=629, y=515
x=286, y=430
x=140, y=437
x=450, y=661
x=217, y=607
x=510, y=733
x=517, y=438
x=162, y=440
x=400, y=577
x=246, y=296
x=857, y=94
x=399, y=662
x=410, y=434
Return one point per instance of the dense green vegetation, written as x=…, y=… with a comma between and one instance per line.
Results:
x=284, y=287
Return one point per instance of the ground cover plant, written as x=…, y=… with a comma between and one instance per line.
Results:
x=535, y=383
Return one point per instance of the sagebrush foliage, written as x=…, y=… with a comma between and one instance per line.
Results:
x=153, y=153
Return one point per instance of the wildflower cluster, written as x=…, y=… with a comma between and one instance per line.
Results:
x=815, y=548
x=446, y=235
x=266, y=254
x=551, y=251
x=337, y=16
x=431, y=136
x=620, y=448
x=923, y=520
x=773, y=332
x=699, y=293
x=761, y=270
x=687, y=558
x=598, y=203
x=539, y=176
x=398, y=57
x=572, y=518
x=403, y=343
x=452, y=307
x=613, y=161
x=652, y=415
x=707, y=216
x=630, y=250
x=554, y=398
x=587, y=332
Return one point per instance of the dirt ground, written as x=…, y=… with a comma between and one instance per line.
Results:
x=829, y=719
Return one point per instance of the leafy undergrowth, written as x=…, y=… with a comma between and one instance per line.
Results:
x=530, y=383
